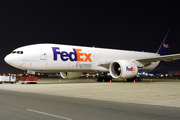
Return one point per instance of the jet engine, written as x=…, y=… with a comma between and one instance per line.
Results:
x=70, y=74
x=123, y=69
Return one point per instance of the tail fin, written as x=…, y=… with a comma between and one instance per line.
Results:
x=165, y=46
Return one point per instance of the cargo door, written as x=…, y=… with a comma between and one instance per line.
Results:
x=43, y=54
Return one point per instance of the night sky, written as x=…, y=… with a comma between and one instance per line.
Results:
x=127, y=25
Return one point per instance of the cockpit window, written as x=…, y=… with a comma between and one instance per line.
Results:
x=13, y=52
x=17, y=52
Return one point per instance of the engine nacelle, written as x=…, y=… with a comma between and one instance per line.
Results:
x=123, y=69
x=70, y=74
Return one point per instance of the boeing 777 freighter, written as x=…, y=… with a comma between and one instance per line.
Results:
x=71, y=61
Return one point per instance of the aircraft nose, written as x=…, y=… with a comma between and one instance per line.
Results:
x=8, y=59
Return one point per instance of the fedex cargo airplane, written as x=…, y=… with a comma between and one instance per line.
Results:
x=71, y=61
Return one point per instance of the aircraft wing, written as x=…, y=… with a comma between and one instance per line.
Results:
x=105, y=64
x=147, y=61
x=166, y=58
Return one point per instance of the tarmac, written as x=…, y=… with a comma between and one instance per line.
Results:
x=87, y=99
x=158, y=92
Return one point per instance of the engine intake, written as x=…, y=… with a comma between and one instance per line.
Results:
x=123, y=69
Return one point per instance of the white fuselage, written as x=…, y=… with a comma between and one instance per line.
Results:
x=58, y=58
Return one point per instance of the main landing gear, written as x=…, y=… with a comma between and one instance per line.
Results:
x=104, y=78
x=137, y=79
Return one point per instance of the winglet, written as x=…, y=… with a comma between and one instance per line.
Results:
x=165, y=46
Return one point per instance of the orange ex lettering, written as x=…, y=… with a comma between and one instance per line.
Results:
x=79, y=55
x=88, y=57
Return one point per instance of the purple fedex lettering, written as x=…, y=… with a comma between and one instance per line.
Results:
x=64, y=55
x=74, y=54
x=130, y=69
x=55, y=52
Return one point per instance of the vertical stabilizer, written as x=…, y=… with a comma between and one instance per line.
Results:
x=165, y=46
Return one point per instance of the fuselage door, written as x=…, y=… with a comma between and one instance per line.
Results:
x=43, y=54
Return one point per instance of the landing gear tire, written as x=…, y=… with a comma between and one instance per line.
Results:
x=130, y=80
x=105, y=79
x=137, y=79
x=100, y=79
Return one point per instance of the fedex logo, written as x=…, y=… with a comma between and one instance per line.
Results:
x=166, y=45
x=75, y=55
x=130, y=69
